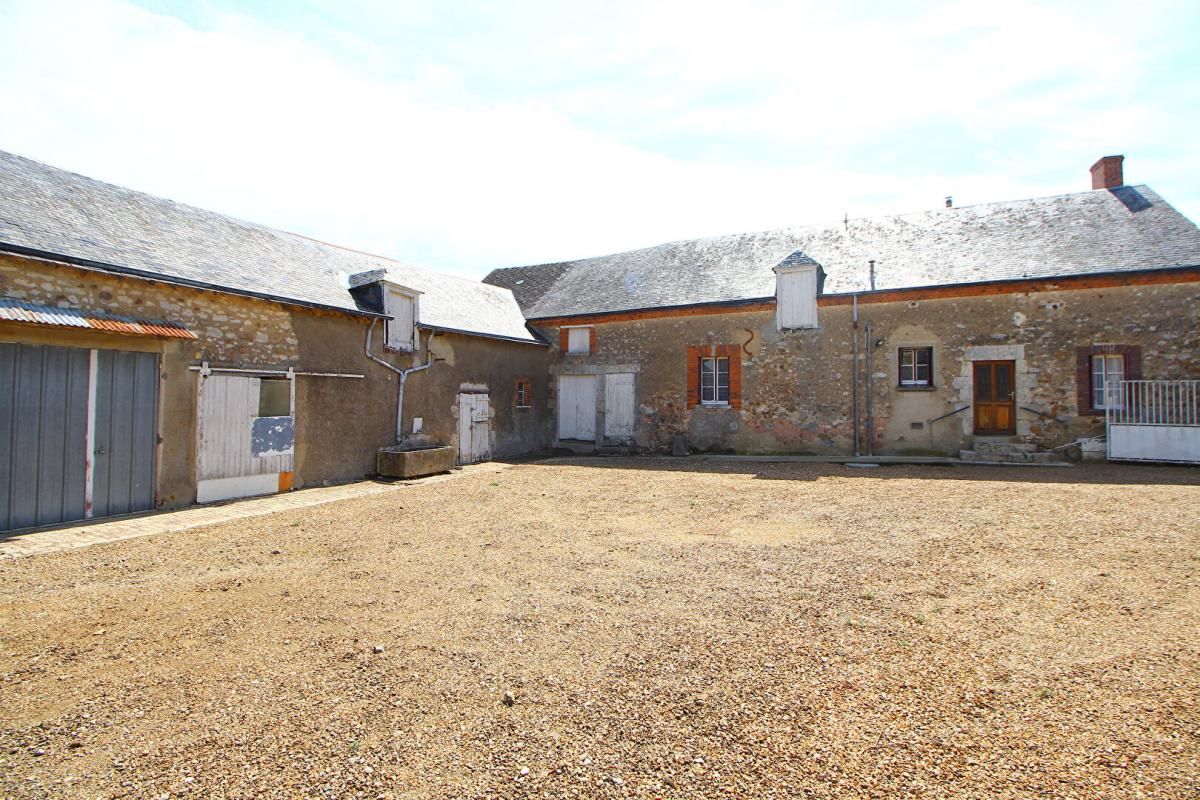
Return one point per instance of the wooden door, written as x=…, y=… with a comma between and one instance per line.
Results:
x=577, y=407
x=995, y=397
x=474, y=428
x=618, y=405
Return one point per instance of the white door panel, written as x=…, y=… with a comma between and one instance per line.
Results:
x=618, y=405
x=577, y=407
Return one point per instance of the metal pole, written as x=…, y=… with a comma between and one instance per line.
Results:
x=854, y=379
x=870, y=350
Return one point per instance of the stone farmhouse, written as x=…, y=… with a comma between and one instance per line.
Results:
x=153, y=354
x=914, y=334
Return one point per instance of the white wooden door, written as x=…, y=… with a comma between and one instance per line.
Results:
x=577, y=407
x=239, y=453
x=474, y=428
x=618, y=405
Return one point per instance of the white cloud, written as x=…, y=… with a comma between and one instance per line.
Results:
x=283, y=127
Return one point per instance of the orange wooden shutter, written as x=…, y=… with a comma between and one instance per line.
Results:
x=734, y=353
x=693, y=377
x=564, y=339
x=592, y=340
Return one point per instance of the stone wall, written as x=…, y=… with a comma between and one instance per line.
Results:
x=797, y=385
x=340, y=422
x=231, y=328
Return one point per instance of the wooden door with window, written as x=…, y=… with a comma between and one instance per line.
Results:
x=995, y=397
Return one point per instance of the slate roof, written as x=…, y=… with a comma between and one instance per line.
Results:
x=52, y=211
x=1125, y=229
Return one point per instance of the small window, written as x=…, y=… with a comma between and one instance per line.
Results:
x=916, y=366
x=1105, y=370
x=524, y=394
x=714, y=381
x=579, y=341
x=274, y=397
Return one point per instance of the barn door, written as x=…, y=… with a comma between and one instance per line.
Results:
x=618, y=405
x=995, y=397
x=577, y=407
x=125, y=432
x=78, y=433
x=474, y=428
x=246, y=436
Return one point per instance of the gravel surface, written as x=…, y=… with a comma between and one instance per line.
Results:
x=629, y=628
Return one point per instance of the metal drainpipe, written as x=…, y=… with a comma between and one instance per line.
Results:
x=854, y=378
x=403, y=373
x=870, y=348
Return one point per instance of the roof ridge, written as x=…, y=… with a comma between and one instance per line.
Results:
x=245, y=222
x=817, y=225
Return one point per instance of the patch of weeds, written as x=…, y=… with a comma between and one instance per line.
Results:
x=354, y=745
x=295, y=524
x=856, y=624
x=1046, y=693
x=495, y=483
x=920, y=619
x=866, y=596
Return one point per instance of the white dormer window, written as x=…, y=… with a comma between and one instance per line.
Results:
x=401, y=305
x=796, y=296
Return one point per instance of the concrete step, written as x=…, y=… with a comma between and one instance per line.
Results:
x=1004, y=447
x=996, y=458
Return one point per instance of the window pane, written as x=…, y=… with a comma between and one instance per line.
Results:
x=1003, y=385
x=906, y=357
x=274, y=397
x=983, y=381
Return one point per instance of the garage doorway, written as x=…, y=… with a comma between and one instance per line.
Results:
x=78, y=433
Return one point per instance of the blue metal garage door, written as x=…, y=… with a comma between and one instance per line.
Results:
x=55, y=404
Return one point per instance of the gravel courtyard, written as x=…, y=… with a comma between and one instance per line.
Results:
x=629, y=628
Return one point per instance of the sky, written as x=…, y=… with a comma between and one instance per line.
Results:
x=471, y=135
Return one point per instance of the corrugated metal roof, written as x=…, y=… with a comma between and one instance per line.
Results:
x=14, y=310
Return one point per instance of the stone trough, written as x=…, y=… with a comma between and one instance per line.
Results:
x=405, y=462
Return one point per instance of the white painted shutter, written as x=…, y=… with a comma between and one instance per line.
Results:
x=579, y=340
x=796, y=296
x=401, y=308
x=618, y=405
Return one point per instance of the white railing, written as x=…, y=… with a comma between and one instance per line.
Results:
x=1153, y=420
x=1152, y=402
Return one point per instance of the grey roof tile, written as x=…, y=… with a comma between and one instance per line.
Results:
x=47, y=209
x=1126, y=229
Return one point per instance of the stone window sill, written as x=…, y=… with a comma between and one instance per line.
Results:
x=916, y=388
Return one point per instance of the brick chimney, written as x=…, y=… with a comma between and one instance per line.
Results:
x=1107, y=173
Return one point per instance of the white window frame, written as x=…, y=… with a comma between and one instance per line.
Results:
x=914, y=381
x=579, y=333
x=1102, y=375
x=711, y=365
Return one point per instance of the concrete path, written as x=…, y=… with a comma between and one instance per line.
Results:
x=113, y=530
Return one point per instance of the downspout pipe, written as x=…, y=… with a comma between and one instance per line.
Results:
x=403, y=373
x=870, y=353
x=854, y=379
